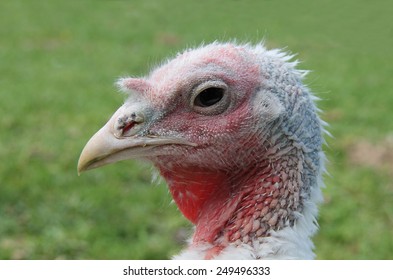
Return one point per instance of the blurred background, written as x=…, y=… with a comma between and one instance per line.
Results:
x=58, y=64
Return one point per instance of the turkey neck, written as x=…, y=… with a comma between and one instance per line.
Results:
x=240, y=207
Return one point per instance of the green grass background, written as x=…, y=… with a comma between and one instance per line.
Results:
x=58, y=63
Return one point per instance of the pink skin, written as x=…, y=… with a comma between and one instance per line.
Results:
x=214, y=189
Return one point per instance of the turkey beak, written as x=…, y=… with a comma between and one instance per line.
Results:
x=120, y=139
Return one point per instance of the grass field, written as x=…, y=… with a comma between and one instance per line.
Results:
x=58, y=63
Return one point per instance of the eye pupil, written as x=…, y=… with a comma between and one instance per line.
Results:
x=208, y=97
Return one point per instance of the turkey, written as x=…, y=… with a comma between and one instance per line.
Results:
x=236, y=135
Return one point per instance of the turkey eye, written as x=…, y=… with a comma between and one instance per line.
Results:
x=208, y=97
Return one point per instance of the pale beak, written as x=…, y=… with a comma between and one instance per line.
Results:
x=109, y=145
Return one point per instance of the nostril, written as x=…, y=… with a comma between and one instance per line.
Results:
x=128, y=125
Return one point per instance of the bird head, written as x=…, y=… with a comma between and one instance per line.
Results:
x=219, y=122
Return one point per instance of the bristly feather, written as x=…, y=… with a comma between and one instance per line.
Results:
x=291, y=242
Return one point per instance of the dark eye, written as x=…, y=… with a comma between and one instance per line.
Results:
x=208, y=97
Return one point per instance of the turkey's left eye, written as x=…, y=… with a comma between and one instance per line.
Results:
x=210, y=98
